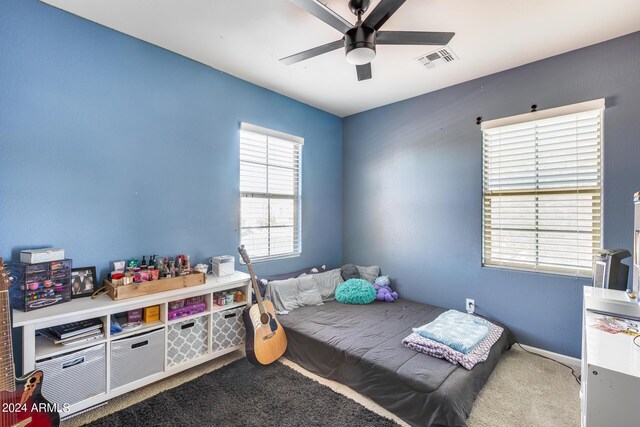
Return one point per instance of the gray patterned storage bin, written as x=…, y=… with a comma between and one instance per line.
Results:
x=227, y=328
x=187, y=340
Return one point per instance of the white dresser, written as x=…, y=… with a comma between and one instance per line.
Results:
x=610, y=393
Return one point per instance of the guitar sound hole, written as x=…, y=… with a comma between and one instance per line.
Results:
x=264, y=318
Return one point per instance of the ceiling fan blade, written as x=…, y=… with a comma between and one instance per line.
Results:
x=364, y=71
x=382, y=13
x=324, y=14
x=319, y=50
x=413, y=37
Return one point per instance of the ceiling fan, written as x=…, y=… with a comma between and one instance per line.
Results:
x=360, y=40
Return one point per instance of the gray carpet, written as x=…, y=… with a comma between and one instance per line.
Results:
x=523, y=391
x=242, y=394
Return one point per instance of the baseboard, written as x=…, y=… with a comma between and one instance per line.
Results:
x=568, y=360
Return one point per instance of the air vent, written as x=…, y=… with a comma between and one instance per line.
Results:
x=437, y=58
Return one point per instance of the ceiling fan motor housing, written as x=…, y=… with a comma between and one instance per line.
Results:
x=360, y=37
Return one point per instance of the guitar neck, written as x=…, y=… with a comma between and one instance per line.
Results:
x=7, y=368
x=256, y=288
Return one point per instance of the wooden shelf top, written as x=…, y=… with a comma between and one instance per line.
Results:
x=104, y=305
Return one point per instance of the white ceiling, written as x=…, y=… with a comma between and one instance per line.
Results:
x=246, y=38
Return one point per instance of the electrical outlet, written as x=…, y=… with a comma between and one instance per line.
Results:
x=471, y=305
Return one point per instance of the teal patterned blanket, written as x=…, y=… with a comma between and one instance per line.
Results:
x=460, y=331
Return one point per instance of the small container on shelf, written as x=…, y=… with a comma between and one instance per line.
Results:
x=134, y=315
x=228, y=297
x=240, y=297
x=176, y=305
x=151, y=314
x=64, y=264
x=194, y=300
x=41, y=285
x=186, y=311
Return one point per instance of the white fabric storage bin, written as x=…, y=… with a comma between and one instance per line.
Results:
x=136, y=357
x=187, y=340
x=227, y=328
x=74, y=377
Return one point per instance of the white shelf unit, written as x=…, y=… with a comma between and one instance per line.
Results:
x=38, y=348
x=610, y=362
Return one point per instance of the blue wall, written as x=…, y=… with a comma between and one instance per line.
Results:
x=113, y=148
x=413, y=187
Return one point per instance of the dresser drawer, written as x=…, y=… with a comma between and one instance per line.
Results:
x=187, y=340
x=136, y=357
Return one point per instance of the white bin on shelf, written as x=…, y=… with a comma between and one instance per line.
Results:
x=73, y=377
x=136, y=357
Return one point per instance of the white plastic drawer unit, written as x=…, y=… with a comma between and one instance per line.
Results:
x=136, y=357
x=74, y=377
x=187, y=340
x=227, y=329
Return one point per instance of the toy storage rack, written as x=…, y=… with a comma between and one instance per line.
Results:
x=38, y=348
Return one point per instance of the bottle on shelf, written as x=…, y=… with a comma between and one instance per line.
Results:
x=165, y=268
x=172, y=268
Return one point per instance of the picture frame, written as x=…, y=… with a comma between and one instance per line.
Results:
x=83, y=282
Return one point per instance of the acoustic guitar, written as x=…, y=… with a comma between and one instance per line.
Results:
x=266, y=340
x=21, y=400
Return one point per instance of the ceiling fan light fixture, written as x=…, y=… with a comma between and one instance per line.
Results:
x=361, y=55
x=360, y=45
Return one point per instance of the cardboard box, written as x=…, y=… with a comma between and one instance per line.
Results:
x=151, y=314
x=134, y=315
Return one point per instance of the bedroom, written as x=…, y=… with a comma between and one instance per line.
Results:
x=133, y=111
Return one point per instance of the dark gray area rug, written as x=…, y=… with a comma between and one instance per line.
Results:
x=241, y=394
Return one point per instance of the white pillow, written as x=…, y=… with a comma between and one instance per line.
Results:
x=327, y=283
x=369, y=273
x=282, y=293
x=308, y=293
x=289, y=294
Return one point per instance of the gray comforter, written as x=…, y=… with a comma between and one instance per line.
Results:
x=361, y=346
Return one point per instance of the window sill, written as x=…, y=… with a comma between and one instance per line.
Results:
x=544, y=272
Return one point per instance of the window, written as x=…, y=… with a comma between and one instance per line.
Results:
x=269, y=192
x=541, y=190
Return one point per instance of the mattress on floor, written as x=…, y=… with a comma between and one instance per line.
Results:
x=361, y=346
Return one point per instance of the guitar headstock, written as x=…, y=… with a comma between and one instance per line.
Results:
x=244, y=255
x=4, y=277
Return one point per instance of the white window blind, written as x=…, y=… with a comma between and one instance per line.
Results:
x=542, y=190
x=270, y=192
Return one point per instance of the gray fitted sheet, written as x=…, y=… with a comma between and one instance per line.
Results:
x=361, y=346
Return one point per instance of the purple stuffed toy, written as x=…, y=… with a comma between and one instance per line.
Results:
x=383, y=289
